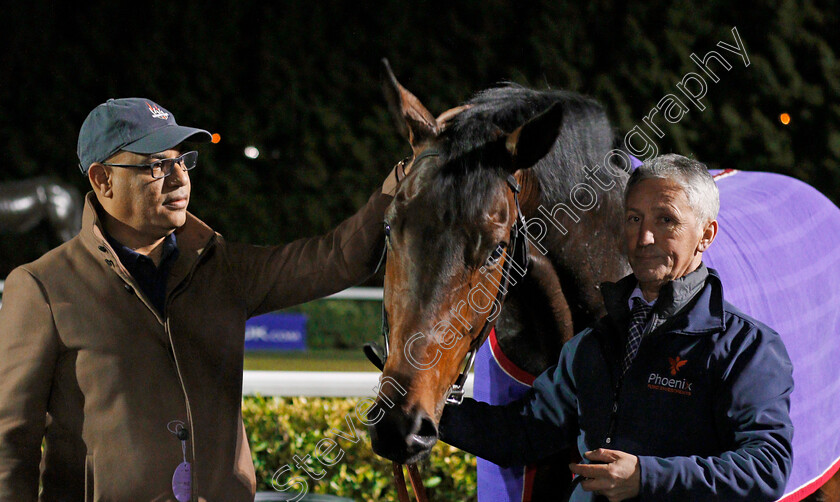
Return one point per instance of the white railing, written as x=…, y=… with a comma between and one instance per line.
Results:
x=347, y=294
x=317, y=383
x=358, y=294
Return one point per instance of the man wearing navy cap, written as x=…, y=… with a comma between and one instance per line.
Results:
x=123, y=347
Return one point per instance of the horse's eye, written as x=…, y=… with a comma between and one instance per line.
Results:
x=387, y=230
x=496, y=254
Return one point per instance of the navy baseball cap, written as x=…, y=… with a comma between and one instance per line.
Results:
x=135, y=125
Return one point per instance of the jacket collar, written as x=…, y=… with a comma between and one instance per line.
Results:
x=193, y=238
x=692, y=304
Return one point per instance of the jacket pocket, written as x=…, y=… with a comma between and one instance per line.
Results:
x=89, y=478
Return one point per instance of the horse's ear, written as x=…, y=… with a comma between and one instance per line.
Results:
x=533, y=140
x=413, y=120
x=444, y=117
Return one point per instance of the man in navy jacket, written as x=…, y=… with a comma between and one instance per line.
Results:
x=675, y=394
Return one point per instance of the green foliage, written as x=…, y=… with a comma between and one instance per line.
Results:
x=308, y=360
x=280, y=428
x=341, y=324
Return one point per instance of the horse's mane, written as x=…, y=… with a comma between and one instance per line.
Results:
x=462, y=177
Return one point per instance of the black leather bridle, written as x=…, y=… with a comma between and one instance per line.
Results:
x=519, y=246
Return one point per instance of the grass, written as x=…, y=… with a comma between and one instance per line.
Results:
x=311, y=360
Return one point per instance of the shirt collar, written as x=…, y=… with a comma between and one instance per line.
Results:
x=131, y=258
x=194, y=238
x=637, y=293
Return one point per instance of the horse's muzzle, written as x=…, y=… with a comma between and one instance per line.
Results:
x=402, y=437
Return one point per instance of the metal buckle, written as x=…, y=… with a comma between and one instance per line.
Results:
x=457, y=391
x=456, y=395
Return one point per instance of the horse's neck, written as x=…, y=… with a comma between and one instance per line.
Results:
x=587, y=256
x=583, y=246
x=561, y=295
x=536, y=320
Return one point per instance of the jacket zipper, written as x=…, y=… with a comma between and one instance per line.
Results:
x=620, y=381
x=613, y=415
x=189, y=411
x=171, y=297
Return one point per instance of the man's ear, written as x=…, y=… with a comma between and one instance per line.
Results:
x=532, y=141
x=101, y=179
x=709, y=234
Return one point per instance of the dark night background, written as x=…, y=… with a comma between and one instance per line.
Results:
x=300, y=81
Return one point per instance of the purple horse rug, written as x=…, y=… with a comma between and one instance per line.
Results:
x=778, y=254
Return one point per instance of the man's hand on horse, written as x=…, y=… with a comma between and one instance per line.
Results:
x=617, y=478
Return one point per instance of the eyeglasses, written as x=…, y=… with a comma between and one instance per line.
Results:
x=163, y=168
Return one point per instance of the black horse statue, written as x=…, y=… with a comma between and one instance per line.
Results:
x=25, y=204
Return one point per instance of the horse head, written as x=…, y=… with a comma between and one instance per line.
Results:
x=451, y=236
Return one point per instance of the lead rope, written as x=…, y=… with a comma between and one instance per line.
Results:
x=416, y=483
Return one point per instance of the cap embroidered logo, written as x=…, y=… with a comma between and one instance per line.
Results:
x=157, y=112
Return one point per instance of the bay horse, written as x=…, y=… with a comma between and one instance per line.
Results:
x=26, y=203
x=513, y=161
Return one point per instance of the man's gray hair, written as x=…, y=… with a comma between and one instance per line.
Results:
x=691, y=175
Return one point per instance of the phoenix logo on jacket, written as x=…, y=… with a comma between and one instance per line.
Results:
x=676, y=363
x=668, y=384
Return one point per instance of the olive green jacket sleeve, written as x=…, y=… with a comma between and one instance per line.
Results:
x=29, y=347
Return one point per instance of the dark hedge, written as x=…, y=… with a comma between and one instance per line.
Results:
x=299, y=80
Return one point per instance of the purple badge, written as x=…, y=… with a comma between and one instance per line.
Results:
x=182, y=482
x=181, y=478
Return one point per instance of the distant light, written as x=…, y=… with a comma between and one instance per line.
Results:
x=251, y=152
x=784, y=119
x=216, y=138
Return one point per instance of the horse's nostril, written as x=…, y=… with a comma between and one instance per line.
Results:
x=426, y=428
x=424, y=435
